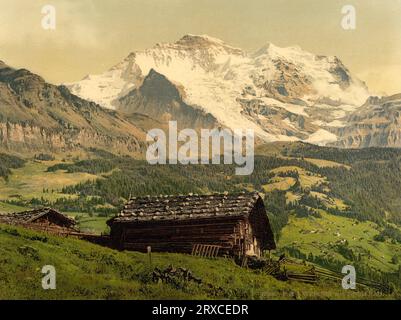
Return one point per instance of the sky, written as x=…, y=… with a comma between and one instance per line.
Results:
x=93, y=35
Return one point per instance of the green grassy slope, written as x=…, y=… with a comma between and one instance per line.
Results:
x=33, y=181
x=30, y=184
x=320, y=202
x=326, y=237
x=87, y=271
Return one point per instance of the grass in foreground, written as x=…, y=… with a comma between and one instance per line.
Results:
x=87, y=271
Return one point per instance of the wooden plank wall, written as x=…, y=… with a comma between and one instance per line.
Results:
x=180, y=236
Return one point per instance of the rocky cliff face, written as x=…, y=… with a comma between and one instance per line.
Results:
x=35, y=115
x=160, y=99
x=26, y=138
x=376, y=124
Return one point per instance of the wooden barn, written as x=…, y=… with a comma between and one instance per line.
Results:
x=227, y=224
x=45, y=219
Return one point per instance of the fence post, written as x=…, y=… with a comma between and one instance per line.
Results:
x=149, y=248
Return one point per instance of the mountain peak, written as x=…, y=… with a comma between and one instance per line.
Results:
x=191, y=39
x=204, y=41
x=281, y=93
x=157, y=85
x=273, y=50
x=3, y=65
x=131, y=56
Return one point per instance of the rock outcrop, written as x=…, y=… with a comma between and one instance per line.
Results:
x=376, y=124
x=35, y=115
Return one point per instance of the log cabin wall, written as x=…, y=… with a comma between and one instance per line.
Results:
x=180, y=236
x=237, y=223
x=49, y=221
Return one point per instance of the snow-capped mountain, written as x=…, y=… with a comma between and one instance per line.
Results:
x=284, y=94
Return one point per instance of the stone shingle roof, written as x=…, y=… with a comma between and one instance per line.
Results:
x=31, y=216
x=187, y=207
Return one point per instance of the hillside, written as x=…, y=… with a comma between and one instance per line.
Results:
x=8, y=162
x=86, y=271
x=327, y=206
x=38, y=116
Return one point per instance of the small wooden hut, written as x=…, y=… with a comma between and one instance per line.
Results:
x=45, y=219
x=237, y=224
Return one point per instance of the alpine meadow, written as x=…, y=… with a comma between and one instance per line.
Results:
x=197, y=160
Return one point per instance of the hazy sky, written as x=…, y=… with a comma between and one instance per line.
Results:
x=93, y=35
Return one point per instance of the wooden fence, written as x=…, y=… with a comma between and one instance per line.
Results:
x=313, y=273
x=206, y=251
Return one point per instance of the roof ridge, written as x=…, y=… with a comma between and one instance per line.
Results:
x=33, y=214
x=232, y=194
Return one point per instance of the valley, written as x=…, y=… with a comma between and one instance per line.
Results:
x=302, y=186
